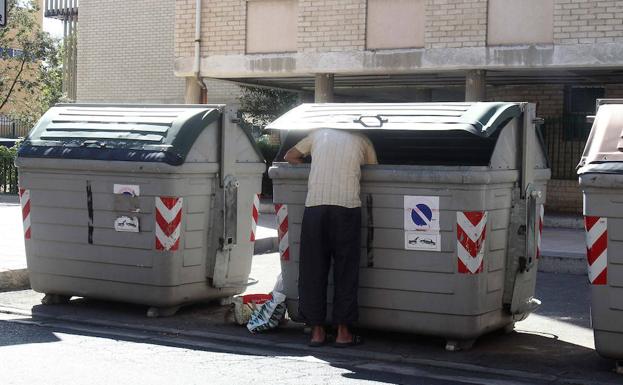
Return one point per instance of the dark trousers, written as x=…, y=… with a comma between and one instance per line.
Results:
x=329, y=232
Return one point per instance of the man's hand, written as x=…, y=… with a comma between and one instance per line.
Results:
x=294, y=156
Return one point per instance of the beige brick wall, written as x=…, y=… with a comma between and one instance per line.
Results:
x=330, y=25
x=222, y=91
x=548, y=98
x=564, y=196
x=326, y=25
x=126, y=52
x=223, y=27
x=587, y=21
x=456, y=24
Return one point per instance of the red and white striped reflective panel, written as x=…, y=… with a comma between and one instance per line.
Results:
x=539, y=233
x=24, y=197
x=168, y=222
x=255, y=214
x=282, y=231
x=597, y=249
x=471, y=228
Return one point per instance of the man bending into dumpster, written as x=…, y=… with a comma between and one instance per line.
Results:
x=331, y=229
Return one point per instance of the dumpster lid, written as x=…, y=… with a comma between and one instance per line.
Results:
x=145, y=133
x=481, y=118
x=605, y=142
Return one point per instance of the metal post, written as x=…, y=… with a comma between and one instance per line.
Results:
x=528, y=144
x=324, y=88
x=475, y=86
x=74, y=51
x=65, y=59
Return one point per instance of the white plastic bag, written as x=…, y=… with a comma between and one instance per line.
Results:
x=269, y=315
x=245, y=305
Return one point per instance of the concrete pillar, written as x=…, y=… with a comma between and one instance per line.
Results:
x=475, y=86
x=193, y=91
x=323, y=91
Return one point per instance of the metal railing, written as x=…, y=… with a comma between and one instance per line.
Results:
x=13, y=129
x=60, y=9
x=8, y=175
x=565, y=138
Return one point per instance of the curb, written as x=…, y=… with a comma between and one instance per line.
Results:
x=352, y=355
x=251, y=346
x=11, y=280
x=564, y=221
x=566, y=263
x=266, y=245
x=6, y=198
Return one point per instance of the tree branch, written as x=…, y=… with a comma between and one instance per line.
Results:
x=8, y=95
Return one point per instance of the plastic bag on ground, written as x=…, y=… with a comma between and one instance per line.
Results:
x=246, y=305
x=269, y=315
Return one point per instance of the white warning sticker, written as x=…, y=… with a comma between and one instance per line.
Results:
x=127, y=189
x=127, y=224
x=421, y=213
x=422, y=240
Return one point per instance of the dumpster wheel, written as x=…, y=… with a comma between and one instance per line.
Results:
x=458, y=345
x=155, y=312
x=55, y=299
x=508, y=329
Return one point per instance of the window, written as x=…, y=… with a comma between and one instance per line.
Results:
x=10, y=52
x=272, y=26
x=578, y=104
x=513, y=22
x=395, y=24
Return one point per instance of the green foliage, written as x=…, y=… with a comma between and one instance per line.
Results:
x=268, y=150
x=260, y=106
x=9, y=152
x=8, y=172
x=30, y=82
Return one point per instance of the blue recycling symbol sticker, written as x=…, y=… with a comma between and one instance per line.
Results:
x=424, y=210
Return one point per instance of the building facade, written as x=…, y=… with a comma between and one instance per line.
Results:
x=125, y=52
x=559, y=54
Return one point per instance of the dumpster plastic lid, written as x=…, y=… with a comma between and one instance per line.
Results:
x=144, y=133
x=482, y=118
x=604, y=147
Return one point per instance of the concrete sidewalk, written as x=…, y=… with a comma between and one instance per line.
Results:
x=13, y=273
x=554, y=345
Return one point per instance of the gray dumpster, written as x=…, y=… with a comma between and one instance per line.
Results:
x=450, y=214
x=601, y=180
x=141, y=204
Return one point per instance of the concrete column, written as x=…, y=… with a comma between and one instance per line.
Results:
x=193, y=91
x=475, y=86
x=323, y=91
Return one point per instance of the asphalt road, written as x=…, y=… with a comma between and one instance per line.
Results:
x=34, y=353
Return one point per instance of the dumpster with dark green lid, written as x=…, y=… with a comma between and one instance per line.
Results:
x=139, y=203
x=478, y=169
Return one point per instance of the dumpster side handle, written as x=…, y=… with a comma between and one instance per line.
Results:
x=528, y=143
